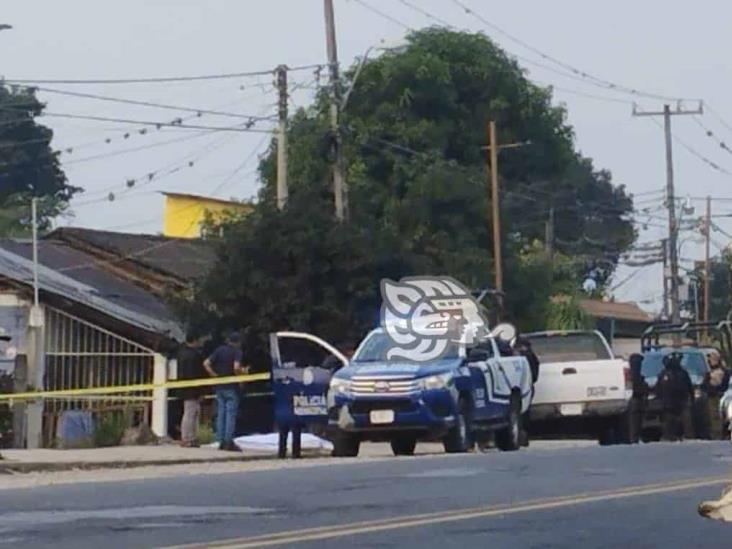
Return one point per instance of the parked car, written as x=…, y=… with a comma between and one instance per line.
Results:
x=464, y=396
x=695, y=363
x=583, y=389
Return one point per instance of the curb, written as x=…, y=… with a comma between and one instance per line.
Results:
x=9, y=467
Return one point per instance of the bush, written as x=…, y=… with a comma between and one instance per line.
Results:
x=206, y=435
x=109, y=429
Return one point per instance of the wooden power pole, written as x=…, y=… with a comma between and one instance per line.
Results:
x=281, y=72
x=673, y=228
x=340, y=188
x=493, y=160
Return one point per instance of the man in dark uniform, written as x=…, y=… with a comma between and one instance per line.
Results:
x=190, y=366
x=638, y=400
x=676, y=392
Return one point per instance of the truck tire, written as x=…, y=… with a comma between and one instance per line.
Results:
x=345, y=445
x=457, y=440
x=403, y=446
x=508, y=439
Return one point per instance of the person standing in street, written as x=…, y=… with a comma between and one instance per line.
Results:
x=638, y=400
x=676, y=391
x=226, y=360
x=190, y=366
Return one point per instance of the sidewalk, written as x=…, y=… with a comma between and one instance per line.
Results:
x=27, y=461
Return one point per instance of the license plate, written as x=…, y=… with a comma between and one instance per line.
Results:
x=596, y=391
x=381, y=416
x=571, y=409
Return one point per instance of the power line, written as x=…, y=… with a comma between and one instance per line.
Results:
x=694, y=152
x=590, y=78
x=153, y=80
x=383, y=14
x=426, y=13
x=709, y=133
x=175, y=124
x=199, y=112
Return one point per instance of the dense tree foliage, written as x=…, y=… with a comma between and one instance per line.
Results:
x=30, y=168
x=414, y=132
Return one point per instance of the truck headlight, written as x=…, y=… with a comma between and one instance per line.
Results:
x=340, y=386
x=440, y=381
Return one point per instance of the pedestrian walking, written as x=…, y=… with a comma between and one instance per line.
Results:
x=226, y=360
x=715, y=384
x=676, y=392
x=638, y=401
x=190, y=366
x=523, y=347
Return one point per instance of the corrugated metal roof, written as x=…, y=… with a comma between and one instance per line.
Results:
x=87, y=284
x=617, y=310
x=187, y=259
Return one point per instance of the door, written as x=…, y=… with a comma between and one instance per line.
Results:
x=302, y=365
x=489, y=383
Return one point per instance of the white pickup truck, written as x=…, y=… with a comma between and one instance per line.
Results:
x=582, y=388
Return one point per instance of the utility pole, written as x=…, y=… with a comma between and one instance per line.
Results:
x=707, y=263
x=549, y=235
x=493, y=159
x=673, y=228
x=340, y=188
x=665, y=278
x=282, y=137
x=492, y=149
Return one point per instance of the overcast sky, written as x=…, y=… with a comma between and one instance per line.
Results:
x=655, y=45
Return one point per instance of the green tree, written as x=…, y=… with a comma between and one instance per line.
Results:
x=414, y=129
x=30, y=168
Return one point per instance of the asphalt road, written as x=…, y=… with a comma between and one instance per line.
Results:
x=634, y=496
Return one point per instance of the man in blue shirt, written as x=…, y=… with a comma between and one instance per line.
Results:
x=226, y=360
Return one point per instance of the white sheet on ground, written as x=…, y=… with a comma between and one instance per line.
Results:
x=269, y=442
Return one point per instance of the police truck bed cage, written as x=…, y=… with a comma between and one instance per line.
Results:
x=720, y=331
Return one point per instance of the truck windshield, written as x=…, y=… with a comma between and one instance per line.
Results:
x=569, y=347
x=377, y=345
x=693, y=363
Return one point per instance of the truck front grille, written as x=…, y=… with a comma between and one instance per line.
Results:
x=384, y=386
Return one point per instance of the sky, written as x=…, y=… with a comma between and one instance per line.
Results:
x=679, y=51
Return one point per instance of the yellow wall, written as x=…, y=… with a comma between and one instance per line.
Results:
x=184, y=215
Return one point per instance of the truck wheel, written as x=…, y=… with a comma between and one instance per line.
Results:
x=345, y=445
x=403, y=446
x=457, y=440
x=508, y=439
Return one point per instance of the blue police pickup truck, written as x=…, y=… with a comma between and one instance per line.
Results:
x=468, y=395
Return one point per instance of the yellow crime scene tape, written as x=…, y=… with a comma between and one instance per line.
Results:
x=113, y=390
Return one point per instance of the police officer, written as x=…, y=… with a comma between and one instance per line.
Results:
x=676, y=392
x=638, y=400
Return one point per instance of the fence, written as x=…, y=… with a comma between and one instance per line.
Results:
x=80, y=355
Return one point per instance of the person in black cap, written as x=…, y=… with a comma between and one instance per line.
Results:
x=226, y=360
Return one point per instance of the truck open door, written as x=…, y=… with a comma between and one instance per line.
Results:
x=302, y=365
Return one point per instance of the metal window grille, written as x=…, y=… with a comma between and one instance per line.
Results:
x=81, y=355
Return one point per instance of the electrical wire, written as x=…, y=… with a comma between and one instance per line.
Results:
x=709, y=133
x=174, y=124
x=153, y=80
x=383, y=14
x=588, y=77
x=198, y=111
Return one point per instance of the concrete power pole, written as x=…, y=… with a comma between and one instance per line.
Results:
x=340, y=188
x=281, y=72
x=707, y=261
x=665, y=278
x=673, y=228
